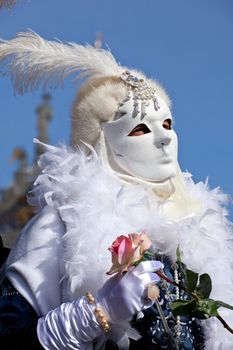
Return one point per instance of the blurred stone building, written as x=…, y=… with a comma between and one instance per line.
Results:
x=14, y=210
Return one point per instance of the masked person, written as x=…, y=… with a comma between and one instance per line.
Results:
x=122, y=177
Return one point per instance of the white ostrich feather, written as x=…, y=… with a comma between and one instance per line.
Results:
x=31, y=61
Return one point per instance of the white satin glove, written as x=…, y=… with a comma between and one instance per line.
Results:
x=121, y=297
x=74, y=325
x=70, y=326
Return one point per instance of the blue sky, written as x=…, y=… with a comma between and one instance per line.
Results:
x=187, y=45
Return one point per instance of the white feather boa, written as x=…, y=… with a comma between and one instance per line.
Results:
x=96, y=208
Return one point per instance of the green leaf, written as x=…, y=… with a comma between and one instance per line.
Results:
x=183, y=308
x=208, y=307
x=178, y=257
x=191, y=279
x=221, y=303
x=148, y=255
x=204, y=287
x=202, y=308
x=178, y=254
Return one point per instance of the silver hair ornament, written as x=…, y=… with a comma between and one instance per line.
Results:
x=141, y=92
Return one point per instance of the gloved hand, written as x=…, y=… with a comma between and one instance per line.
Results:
x=123, y=296
x=74, y=325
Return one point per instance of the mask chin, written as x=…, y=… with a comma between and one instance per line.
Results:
x=142, y=171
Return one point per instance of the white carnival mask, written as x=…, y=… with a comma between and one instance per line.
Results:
x=144, y=146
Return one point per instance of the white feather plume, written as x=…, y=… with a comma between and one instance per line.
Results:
x=31, y=61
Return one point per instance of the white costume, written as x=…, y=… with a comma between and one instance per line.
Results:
x=130, y=181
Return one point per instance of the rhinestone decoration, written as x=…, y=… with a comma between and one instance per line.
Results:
x=141, y=93
x=178, y=327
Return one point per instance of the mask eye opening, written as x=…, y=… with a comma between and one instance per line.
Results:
x=139, y=130
x=167, y=124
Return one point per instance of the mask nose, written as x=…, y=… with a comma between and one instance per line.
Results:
x=162, y=141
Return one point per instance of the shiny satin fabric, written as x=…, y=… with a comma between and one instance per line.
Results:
x=71, y=326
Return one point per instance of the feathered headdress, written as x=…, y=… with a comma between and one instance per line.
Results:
x=32, y=61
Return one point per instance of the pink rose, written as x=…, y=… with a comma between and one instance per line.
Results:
x=128, y=250
x=140, y=243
